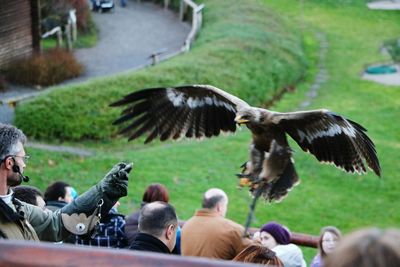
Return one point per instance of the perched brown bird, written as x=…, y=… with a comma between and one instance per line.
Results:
x=198, y=111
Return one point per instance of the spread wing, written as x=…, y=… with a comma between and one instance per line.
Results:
x=193, y=111
x=331, y=138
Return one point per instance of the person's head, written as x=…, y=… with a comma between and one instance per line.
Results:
x=12, y=153
x=371, y=247
x=215, y=199
x=273, y=234
x=159, y=220
x=58, y=191
x=259, y=254
x=29, y=194
x=328, y=239
x=155, y=192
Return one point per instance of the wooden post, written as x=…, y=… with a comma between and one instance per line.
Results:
x=72, y=20
x=199, y=16
x=154, y=59
x=68, y=36
x=166, y=4
x=182, y=9
x=59, y=38
x=35, y=16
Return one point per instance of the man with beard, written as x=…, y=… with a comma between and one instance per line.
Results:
x=19, y=220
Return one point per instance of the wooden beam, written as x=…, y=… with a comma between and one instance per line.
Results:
x=18, y=253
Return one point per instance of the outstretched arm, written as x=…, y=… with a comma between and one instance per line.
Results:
x=52, y=226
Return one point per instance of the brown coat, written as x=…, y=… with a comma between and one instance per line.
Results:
x=207, y=234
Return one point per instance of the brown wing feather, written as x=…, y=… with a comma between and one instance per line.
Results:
x=195, y=111
x=331, y=138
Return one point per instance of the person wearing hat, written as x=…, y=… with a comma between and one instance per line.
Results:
x=277, y=238
x=273, y=234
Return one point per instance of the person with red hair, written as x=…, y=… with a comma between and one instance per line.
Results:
x=259, y=254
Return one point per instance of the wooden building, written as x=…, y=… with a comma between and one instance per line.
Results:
x=19, y=29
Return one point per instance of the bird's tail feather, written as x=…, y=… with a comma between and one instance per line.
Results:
x=278, y=190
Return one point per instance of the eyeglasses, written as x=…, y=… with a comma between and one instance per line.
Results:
x=333, y=240
x=25, y=158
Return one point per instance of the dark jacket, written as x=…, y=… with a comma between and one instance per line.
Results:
x=146, y=242
x=131, y=226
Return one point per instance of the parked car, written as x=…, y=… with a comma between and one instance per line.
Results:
x=102, y=5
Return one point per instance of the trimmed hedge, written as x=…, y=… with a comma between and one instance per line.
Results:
x=243, y=48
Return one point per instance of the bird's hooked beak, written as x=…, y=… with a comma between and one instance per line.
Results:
x=239, y=120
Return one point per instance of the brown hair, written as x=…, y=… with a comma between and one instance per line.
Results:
x=259, y=254
x=371, y=247
x=331, y=229
x=155, y=192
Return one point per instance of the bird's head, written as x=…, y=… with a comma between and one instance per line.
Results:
x=247, y=116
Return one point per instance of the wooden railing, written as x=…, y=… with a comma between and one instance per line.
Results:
x=23, y=253
x=197, y=19
x=57, y=30
x=19, y=253
x=299, y=239
x=304, y=240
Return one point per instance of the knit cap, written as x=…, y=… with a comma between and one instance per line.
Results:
x=281, y=235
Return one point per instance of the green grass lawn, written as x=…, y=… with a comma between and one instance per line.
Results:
x=332, y=197
x=326, y=195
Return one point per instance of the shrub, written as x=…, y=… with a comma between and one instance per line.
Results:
x=44, y=69
x=393, y=48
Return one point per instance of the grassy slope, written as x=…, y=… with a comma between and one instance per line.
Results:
x=239, y=50
x=334, y=198
x=326, y=196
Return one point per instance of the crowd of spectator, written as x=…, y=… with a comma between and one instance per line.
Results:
x=92, y=219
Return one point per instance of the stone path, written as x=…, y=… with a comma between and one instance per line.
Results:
x=322, y=75
x=65, y=149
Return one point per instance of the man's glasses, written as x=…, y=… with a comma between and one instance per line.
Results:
x=25, y=159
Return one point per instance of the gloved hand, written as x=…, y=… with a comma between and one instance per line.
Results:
x=115, y=183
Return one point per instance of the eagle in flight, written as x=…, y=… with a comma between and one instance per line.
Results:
x=198, y=111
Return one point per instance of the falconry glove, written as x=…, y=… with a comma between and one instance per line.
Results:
x=115, y=183
x=83, y=214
